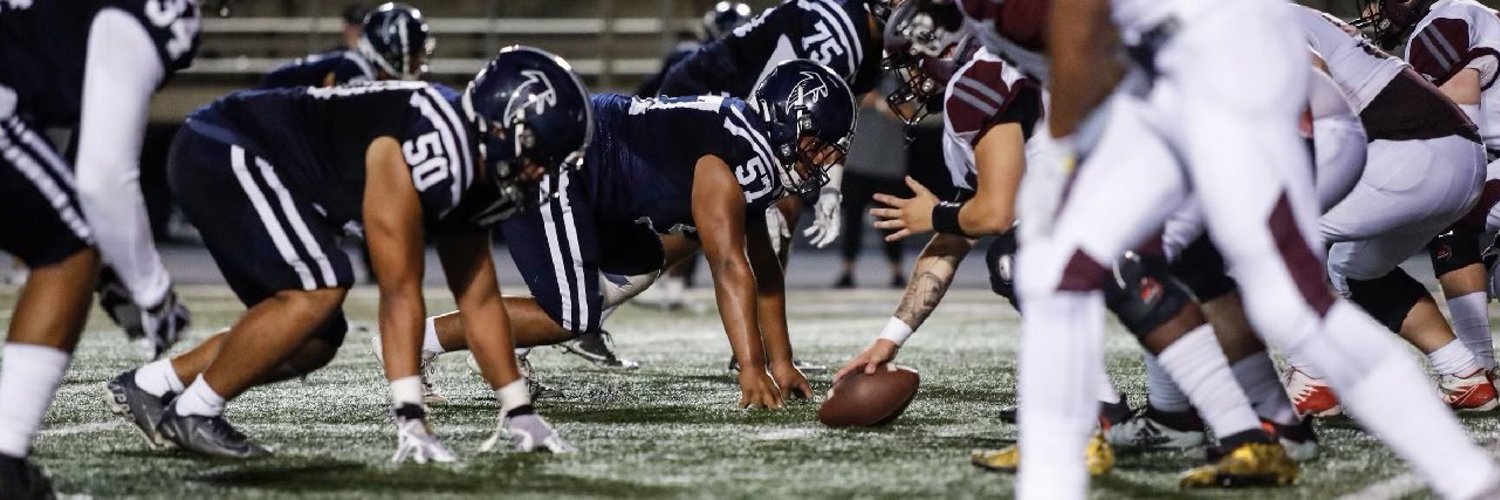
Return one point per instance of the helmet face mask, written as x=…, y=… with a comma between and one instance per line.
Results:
x=534, y=119
x=809, y=112
x=921, y=35
x=1389, y=22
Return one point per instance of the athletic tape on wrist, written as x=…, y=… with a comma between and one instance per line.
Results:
x=896, y=331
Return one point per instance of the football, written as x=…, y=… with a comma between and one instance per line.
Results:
x=861, y=400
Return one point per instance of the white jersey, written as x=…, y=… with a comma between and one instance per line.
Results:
x=1360, y=68
x=984, y=92
x=1457, y=35
x=1135, y=17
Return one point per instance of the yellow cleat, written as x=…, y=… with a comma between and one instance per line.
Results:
x=1250, y=464
x=1098, y=457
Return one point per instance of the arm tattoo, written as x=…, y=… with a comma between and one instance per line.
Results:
x=933, y=272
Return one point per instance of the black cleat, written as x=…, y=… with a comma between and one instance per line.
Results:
x=22, y=480
x=210, y=436
x=598, y=347
x=125, y=398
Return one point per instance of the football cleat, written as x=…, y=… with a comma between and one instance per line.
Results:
x=430, y=394
x=1098, y=457
x=209, y=436
x=22, y=480
x=599, y=348
x=415, y=440
x=527, y=432
x=1474, y=392
x=1300, y=441
x=1311, y=396
x=1249, y=464
x=152, y=330
x=1151, y=428
x=1109, y=413
x=124, y=397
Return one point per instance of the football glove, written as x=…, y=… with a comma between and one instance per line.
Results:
x=827, y=218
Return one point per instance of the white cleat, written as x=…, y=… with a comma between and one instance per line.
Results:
x=415, y=440
x=1145, y=430
x=1311, y=396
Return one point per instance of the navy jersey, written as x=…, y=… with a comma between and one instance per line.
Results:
x=652, y=86
x=645, y=152
x=833, y=32
x=44, y=45
x=325, y=69
x=316, y=139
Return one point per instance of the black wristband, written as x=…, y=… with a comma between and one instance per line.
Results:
x=945, y=218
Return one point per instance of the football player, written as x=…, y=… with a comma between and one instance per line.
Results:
x=845, y=35
x=1233, y=140
x=395, y=43
x=1455, y=44
x=94, y=65
x=664, y=178
x=271, y=177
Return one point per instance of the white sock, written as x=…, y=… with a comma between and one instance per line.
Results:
x=200, y=399
x=1452, y=359
x=1161, y=392
x=1257, y=377
x=29, y=376
x=1198, y=364
x=673, y=288
x=429, y=337
x=1057, y=385
x=406, y=390
x=1471, y=322
x=1393, y=400
x=158, y=378
x=513, y=395
x=522, y=352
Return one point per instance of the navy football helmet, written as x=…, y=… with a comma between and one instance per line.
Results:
x=724, y=18
x=530, y=109
x=921, y=44
x=810, y=113
x=397, y=40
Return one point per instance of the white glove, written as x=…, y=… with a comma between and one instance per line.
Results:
x=827, y=218
x=527, y=432
x=776, y=226
x=415, y=441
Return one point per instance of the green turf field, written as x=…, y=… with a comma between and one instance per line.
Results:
x=667, y=430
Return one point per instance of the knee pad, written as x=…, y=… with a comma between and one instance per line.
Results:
x=333, y=330
x=1454, y=249
x=1142, y=294
x=1001, y=259
x=1388, y=298
x=1200, y=268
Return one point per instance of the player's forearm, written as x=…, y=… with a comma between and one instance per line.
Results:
x=771, y=314
x=1078, y=46
x=930, y=277
x=734, y=289
x=980, y=218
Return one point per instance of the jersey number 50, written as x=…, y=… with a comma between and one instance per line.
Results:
x=424, y=155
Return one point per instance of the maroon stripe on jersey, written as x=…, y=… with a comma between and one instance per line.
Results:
x=1305, y=267
x=1441, y=49
x=1488, y=198
x=978, y=98
x=1082, y=274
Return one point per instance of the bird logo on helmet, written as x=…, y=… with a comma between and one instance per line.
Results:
x=397, y=40
x=724, y=18
x=1390, y=21
x=530, y=109
x=810, y=113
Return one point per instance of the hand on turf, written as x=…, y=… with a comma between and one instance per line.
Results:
x=757, y=390
x=905, y=216
x=791, y=380
x=528, y=432
x=416, y=442
x=879, y=353
x=828, y=220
